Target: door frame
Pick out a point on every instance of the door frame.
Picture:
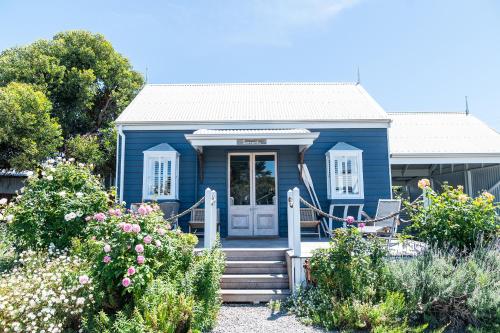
(253, 204)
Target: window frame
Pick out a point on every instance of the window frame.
(333, 154)
(150, 157)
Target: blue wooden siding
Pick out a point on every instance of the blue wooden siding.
(373, 142)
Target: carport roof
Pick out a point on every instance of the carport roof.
(441, 138)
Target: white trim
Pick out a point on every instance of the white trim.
(269, 139)
(443, 158)
(172, 156)
(389, 162)
(334, 154)
(122, 161)
(162, 126)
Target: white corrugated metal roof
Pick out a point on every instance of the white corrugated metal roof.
(441, 134)
(251, 102)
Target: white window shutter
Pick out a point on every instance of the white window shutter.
(344, 172)
(160, 181)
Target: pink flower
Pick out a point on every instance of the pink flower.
(84, 279)
(423, 183)
(161, 231)
(158, 243)
(127, 227)
(131, 271)
(136, 228)
(149, 209)
(100, 217)
(126, 282)
(140, 260)
(148, 239)
(115, 212)
(139, 248)
(350, 219)
(106, 259)
(361, 225)
(142, 210)
(107, 248)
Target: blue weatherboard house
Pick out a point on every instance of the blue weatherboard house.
(249, 142)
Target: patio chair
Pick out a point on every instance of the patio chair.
(197, 221)
(309, 220)
(387, 227)
(170, 209)
(346, 209)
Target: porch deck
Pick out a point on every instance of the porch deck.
(397, 248)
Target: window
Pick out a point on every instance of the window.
(161, 173)
(344, 165)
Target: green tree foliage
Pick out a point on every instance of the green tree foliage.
(97, 149)
(28, 134)
(88, 82)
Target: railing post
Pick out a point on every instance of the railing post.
(297, 250)
(289, 214)
(210, 228)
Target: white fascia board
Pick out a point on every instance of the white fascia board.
(272, 139)
(444, 158)
(158, 126)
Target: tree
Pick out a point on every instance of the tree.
(28, 133)
(87, 81)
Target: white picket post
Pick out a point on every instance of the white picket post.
(213, 233)
(297, 250)
(207, 239)
(289, 213)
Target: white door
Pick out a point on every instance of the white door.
(253, 209)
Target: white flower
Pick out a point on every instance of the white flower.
(70, 216)
(3, 201)
(9, 218)
(80, 301)
(62, 194)
(79, 194)
(50, 177)
(71, 159)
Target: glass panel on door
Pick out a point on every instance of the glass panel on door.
(240, 180)
(265, 180)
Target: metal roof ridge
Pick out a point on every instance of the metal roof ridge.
(426, 112)
(291, 83)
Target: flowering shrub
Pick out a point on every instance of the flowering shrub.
(134, 249)
(52, 206)
(44, 293)
(453, 219)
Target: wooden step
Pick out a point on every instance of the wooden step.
(255, 267)
(254, 281)
(254, 254)
(253, 295)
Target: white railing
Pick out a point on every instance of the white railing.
(210, 228)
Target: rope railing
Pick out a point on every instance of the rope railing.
(187, 211)
(340, 219)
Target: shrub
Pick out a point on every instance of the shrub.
(453, 219)
(43, 292)
(447, 288)
(52, 206)
(350, 268)
(204, 281)
(134, 249)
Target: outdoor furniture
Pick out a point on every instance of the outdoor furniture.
(345, 212)
(309, 220)
(388, 226)
(135, 206)
(170, 209)
(197, 221)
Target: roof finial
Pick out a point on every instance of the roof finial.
(359, 77)
(466, 106)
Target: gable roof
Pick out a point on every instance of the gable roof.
(251, 102)
(447, 137)
(342, 146)
(161, 147)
